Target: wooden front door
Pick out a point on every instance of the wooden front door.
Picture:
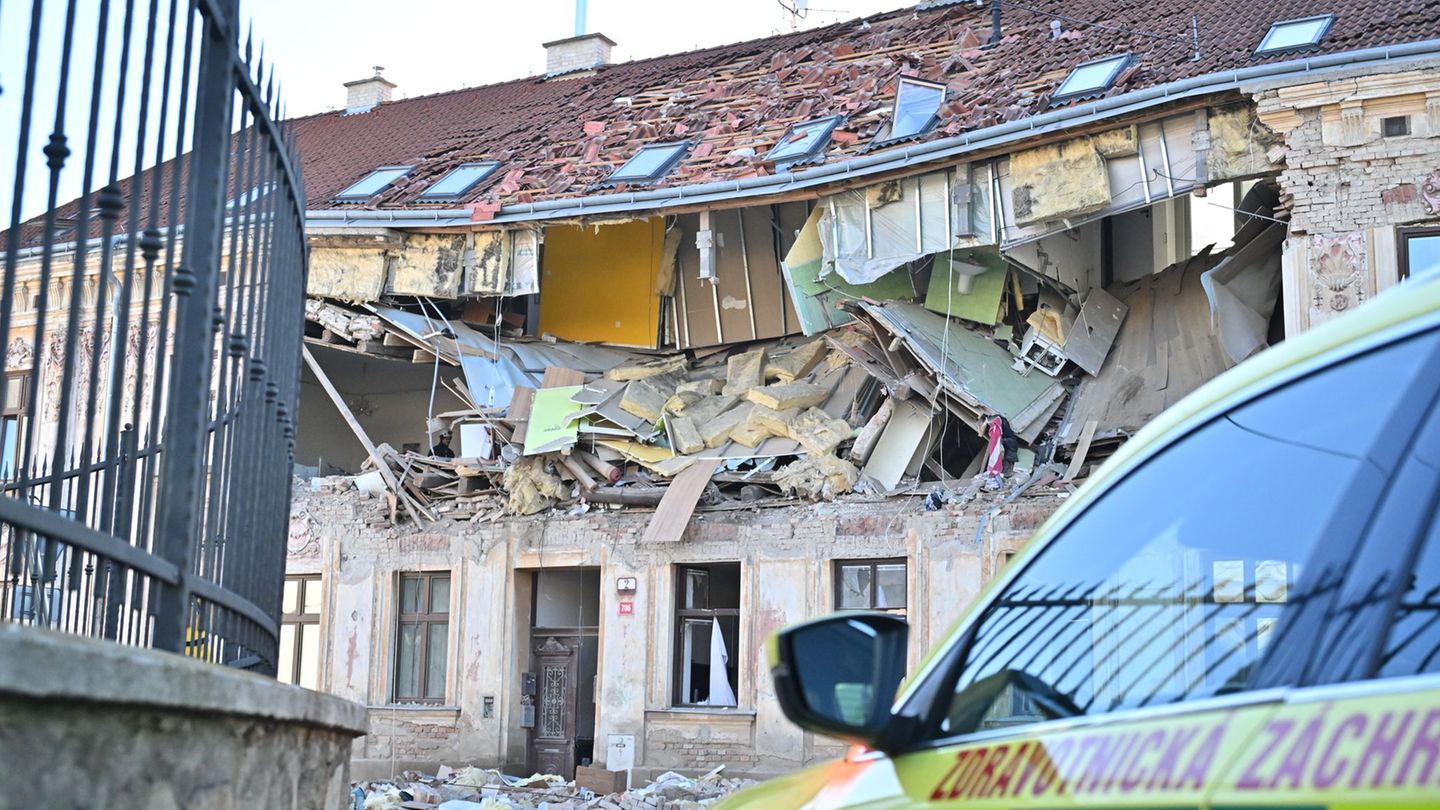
(552, 745)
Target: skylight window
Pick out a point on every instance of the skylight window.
(651, 163)
(916, 105)
(374, 183)
(459, 181)
(804, 141)
(1294, 35)
(252, 195)
(1092, 77)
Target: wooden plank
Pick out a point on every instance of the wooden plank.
(1077, 461)
(559, 377)
(519, 413)
(678, 504)
(380, 463)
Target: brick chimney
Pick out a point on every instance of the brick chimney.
(363, 94)
(577, 53)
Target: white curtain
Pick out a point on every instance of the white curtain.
(720, 692)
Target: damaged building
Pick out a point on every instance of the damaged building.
(613, 370)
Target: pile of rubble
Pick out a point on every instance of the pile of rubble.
(901, 397)
(474, 788)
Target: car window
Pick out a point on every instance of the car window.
(1178, 581)
(1412, 646)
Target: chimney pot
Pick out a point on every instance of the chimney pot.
(362, 95)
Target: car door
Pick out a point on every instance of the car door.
(1364, 730)
(1136, 657)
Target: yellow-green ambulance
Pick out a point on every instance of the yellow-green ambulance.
(1240, 610)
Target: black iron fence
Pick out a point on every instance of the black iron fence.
(151, 327)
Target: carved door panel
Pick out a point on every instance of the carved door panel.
(552, 746)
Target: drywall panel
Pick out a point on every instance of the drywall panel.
(598, 283)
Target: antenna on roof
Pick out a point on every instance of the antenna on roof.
(580, 18)
(377, 69)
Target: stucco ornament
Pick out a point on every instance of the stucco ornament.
(1338, 274)
(19, 354)
(1430, 192)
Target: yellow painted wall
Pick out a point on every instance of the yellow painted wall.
(601, 285)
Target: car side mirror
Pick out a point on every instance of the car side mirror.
(838, 675)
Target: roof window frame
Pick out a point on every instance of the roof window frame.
(1122, 61)
(492, 166)
(1327, 22)
(346, 195)
(890, 136)
(661, 171)
(828, 123)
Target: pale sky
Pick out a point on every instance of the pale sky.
(426, 46)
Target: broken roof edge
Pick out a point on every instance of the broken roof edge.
(900, 157)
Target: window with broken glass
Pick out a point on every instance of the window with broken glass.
(299, 661)
(422, 638)
(707, 628)
(871, 585)
(12, 417)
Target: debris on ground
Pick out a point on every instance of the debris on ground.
(472, 788)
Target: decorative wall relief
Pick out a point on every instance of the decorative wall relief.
(1430, 193)
(1339, 275)
(20, 354)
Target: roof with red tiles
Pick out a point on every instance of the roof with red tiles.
(563, 138)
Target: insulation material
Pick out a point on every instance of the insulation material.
(869, 232)
(818, 477)
(524, 270)
(1244, 288)
(347, 275)
(552, 425)
(644, 399)
(815, 299)
(531, 488)
(744, 371)
(783, 396)
(490, 274)
(818, 432)
(430, 265)
(983, 270)
(1239, 144)
(1158, 164)
(797, 362)
(600, 283)
(1057, 181)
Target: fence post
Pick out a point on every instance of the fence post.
(183, 460)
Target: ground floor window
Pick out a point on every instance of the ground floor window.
(1419, 251)
(707, 632)
(871, 585)
(423, 637)
(300, 632)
